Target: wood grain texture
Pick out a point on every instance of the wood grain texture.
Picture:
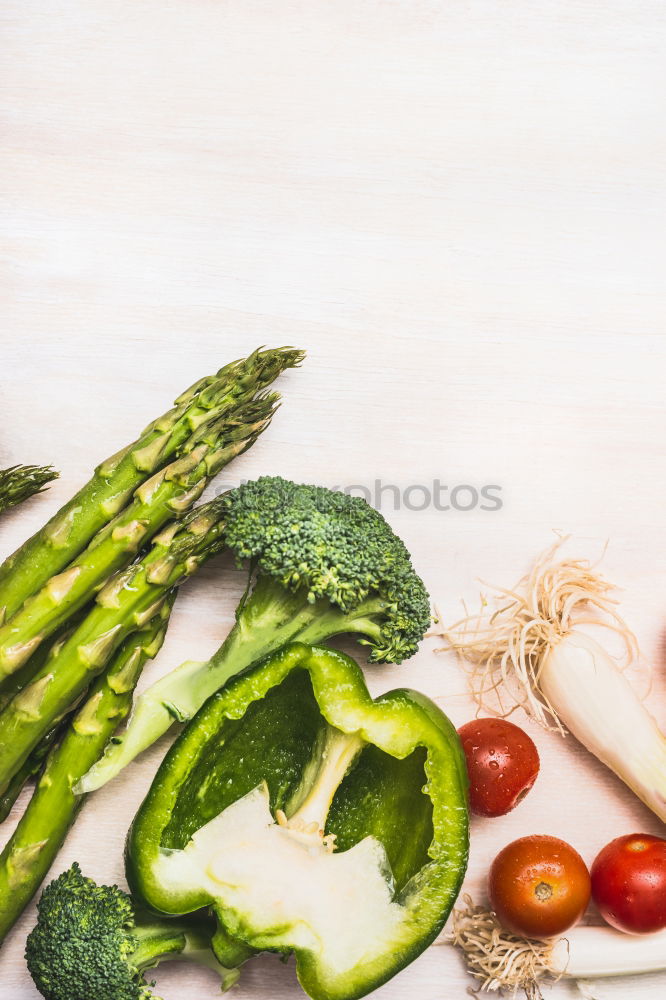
(457, 208)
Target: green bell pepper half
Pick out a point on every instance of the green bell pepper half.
(359, 861)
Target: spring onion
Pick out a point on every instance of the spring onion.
(535, 647)
(503, 961)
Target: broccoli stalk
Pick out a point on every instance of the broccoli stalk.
(90, 942)
(322, 564)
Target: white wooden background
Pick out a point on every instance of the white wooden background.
(457, 207)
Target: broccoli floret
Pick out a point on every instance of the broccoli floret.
(88, 942)
(335, 546)
(321, 564)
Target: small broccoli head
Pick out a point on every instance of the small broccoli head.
(335, 546)
(83, 944)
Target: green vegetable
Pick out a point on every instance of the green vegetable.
(324, 563)
(23, 481)
(289, 761)
(32, 848)
(9, 689)
(129, 600)
(11, 685)
(170, 492)
(89, 944)
(51, 549)
(506, 963)
(32, 766)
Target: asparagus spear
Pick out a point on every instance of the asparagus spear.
(170, 492)
(9, 690)
(11, 685)
(31, 766)
(18, 680)
(130, 599)
(23, 481)
(30, 852)
(116, 479)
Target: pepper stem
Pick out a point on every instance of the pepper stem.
(335, 753)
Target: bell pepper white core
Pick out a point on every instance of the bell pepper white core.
(292, 891)
(333, 756)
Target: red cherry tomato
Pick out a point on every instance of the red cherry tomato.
(539, 886)
(502, 764)
(629, 883)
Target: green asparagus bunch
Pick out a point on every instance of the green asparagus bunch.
(23, 481)
(115, 481)
(85, 601)
(27, 857)
(129, 498)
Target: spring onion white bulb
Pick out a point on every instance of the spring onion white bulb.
(534, 649)
(503, 961)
